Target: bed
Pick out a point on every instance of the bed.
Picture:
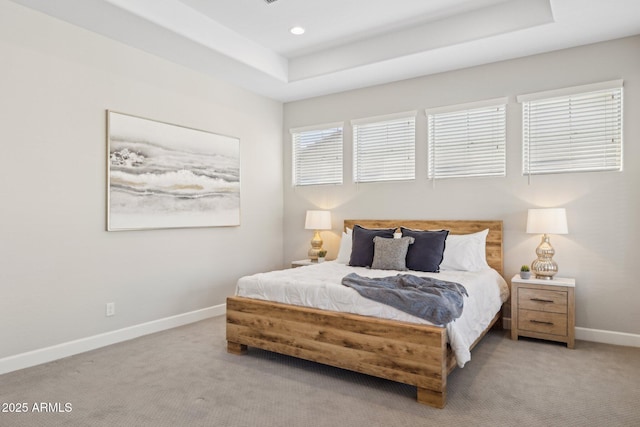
(398, 350)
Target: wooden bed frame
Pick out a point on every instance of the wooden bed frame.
(400, 351)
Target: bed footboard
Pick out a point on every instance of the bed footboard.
(398, 351)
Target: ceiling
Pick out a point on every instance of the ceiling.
(348, 44)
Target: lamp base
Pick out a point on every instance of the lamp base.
(544, 267)
(316, 246)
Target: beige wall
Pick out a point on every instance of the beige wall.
(58, 265)
(602, 249)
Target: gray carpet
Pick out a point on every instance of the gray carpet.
(184, 377)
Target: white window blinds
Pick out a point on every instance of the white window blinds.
(384, 148)
(317, 155)
(468, 142)
(574, 132)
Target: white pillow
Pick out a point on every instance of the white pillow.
(465, 252)
(344, 253)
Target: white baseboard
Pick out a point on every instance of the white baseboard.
(608, 337)
(48, 354)
(597, 335)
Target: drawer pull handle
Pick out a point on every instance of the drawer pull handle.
(541, 322)
(541, 300)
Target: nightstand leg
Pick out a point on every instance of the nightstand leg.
(514, 318)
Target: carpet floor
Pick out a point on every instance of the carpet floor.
(185, 377)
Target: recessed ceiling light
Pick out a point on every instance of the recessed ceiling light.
(297, 30)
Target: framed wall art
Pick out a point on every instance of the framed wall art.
(168, 176)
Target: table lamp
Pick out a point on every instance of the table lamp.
(545, 222)
(317, 220)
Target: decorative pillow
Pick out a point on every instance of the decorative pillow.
(362, 246)
(390, 254)
(427, 251)
(466, 252)
(344, 253)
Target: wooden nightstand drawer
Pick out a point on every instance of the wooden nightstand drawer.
(543, 322)
(542, 300)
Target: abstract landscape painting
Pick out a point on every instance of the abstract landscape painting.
(167, 176)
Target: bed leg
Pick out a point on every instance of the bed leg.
(235, 348)
(437, 399)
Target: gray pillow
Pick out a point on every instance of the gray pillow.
(362, 246)
(390, 254)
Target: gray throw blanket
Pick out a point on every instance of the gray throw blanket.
(431, 299)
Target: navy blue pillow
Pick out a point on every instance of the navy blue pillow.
(426, 252)
(362, 248)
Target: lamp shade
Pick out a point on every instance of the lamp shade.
(318, 220)
(547, 221)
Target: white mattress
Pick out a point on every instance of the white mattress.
(319, 286)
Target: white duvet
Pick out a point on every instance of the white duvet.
(319, 286)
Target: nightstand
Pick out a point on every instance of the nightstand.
(302, 262)
(543, 309)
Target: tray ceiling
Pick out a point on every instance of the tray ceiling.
(347, 44)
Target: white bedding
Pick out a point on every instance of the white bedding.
(319, 286)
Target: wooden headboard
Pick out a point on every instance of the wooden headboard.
(494, 238)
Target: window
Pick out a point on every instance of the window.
(573, 130)
(468, 140)
(317, 155)
(384, 148)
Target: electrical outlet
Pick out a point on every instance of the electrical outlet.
(111, 309)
